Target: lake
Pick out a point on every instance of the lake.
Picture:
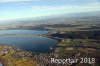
(36, 32)
(28, 43)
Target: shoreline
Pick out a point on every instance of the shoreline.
(10, 54)
(61, 50)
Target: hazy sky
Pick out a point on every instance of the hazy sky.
(15, 9)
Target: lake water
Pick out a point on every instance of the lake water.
(36, 32)
(28, 43)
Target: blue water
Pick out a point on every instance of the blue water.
(28, 43)
(37, 32)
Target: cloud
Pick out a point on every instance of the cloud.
(69, 8)
(65, 1)
(8, 1)
(90, 5)
(48, 7)
(84, 0)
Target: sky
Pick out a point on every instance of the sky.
(17, 9)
